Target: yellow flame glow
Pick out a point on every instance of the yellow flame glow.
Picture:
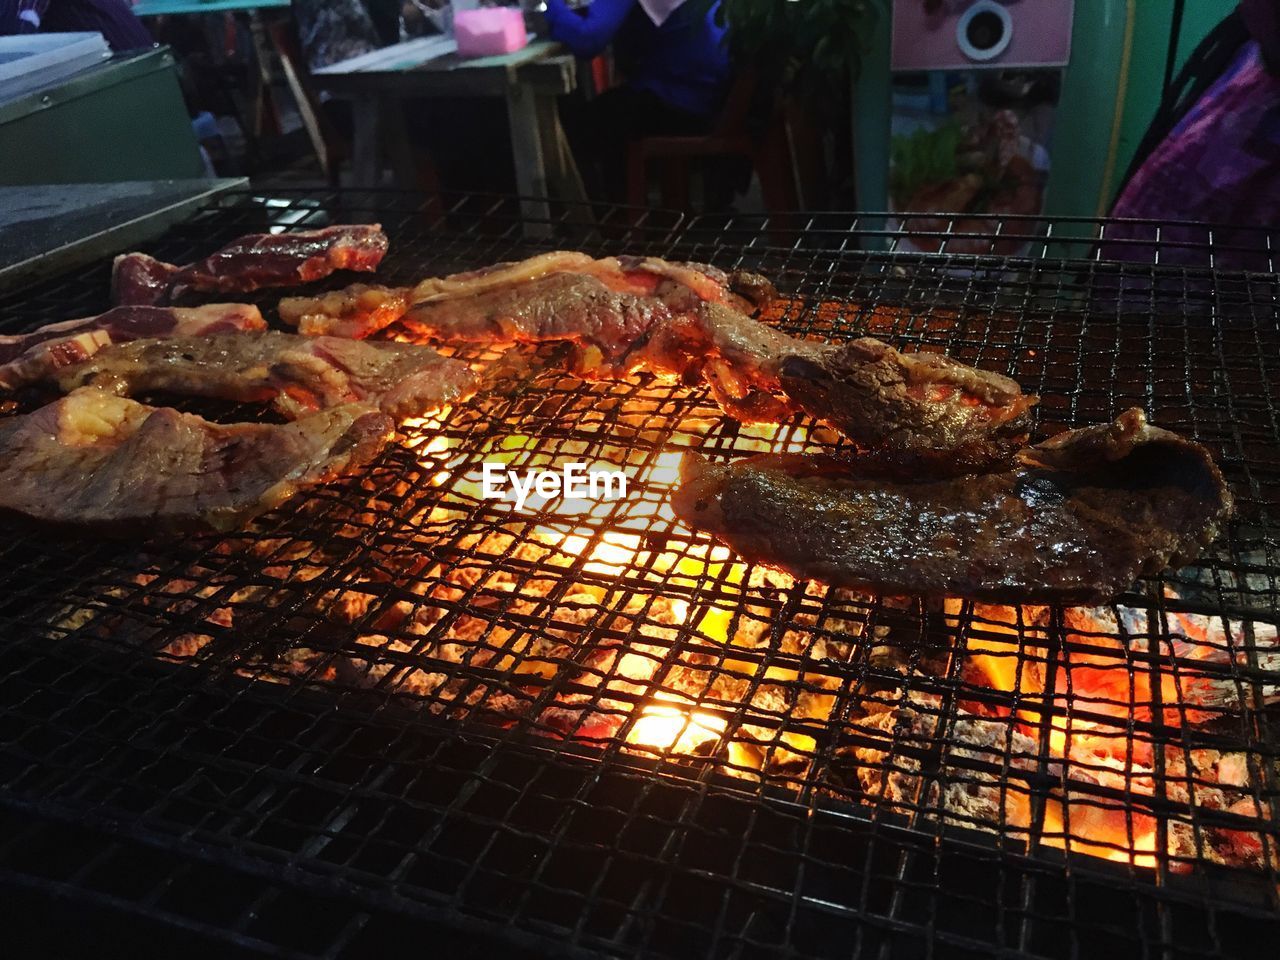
(669, 727)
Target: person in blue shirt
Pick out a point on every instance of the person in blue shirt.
(675, 67)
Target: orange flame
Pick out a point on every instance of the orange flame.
(1081, 823)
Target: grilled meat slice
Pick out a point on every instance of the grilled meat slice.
(605, 324)
(249, 263)
(918, 412)
(740, 289)
(96, 462)
(913, 410)
(356, 311)
(639, 276)
(361, 310)
(616, 333)
(1076, 523)
(29, 357)
(505, 274)
(299, 375)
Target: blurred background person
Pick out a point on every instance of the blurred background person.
(674, 64)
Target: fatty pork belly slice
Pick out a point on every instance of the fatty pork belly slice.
(298, 375)
(689, 321)
(250, 263)
(1084, 515)
(360, 310)
(41, 354)
(100, 463)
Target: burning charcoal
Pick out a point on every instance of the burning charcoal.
(1212, 780)
(185, 646)
(873, 770)
(613, 666)
(981, 793)
(372, 668)
(1199, 663)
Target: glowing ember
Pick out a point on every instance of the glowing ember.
(671, 728)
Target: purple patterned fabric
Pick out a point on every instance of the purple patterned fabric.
(1219, 165)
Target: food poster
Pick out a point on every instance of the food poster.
(970, 142)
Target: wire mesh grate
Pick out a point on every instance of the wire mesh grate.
(395, 706)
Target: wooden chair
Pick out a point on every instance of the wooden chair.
(730, 137)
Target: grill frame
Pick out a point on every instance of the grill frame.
(219, 780)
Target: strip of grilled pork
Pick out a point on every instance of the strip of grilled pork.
(250, 263)
(40, 354)
(298, 375)
(918, 414)
(1084, 515)
(914, 412)
(96, 462)
(360, 310)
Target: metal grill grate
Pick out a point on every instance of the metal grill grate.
(394, 709)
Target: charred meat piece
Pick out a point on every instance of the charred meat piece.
(915, 412)
(735, 355)
(299, 375)
(250, 263)
(360, 310)
(29, 357)
(740, 289)
(1085, 514)
(100, 463)
(505, 274)
(616, 333)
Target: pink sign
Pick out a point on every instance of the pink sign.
(968, 34)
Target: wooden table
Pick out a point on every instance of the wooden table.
(529, 80)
